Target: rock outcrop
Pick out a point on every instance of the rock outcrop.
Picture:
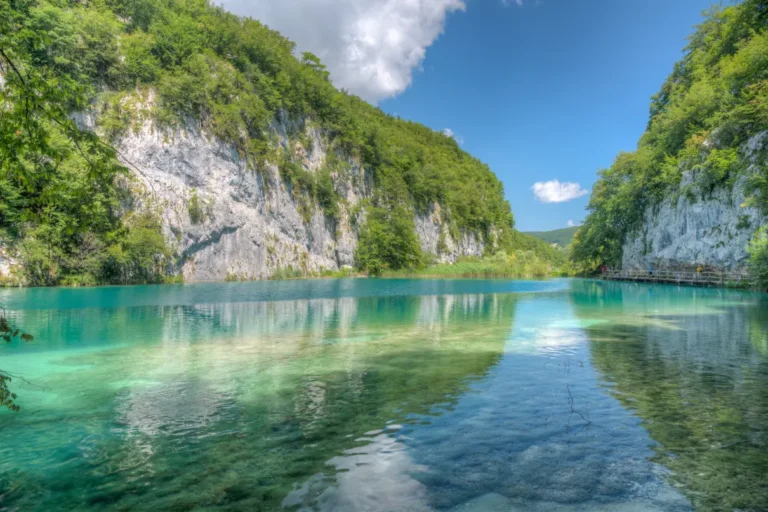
(253, 224)
(698, 226)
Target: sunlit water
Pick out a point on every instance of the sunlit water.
(387, 395)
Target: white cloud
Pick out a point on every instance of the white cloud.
(556, 192)
(371, 47)
(455, 136)
(572, 224)
(507, 3)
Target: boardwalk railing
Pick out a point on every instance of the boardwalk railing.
(703, 278)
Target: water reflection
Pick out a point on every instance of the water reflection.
(597, 397)
(699, 382)
(535, 433)
(230, 405)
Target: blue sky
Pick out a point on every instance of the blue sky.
(548, 90)
(540, 90)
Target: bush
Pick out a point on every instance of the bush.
(519, 264)
(196, 210)
(388, 241)
(758, 258)
(714, 100)
(231, 76)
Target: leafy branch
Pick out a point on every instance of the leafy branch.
(8, 331)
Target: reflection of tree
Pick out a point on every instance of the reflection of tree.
(702, 390)
(407, 356)
(8, 332)
(283, 386)
(758, 327)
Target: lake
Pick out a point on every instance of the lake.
(366, 394)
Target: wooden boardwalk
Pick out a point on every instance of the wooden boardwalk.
(704, 278)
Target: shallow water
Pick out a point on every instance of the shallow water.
(387, 395)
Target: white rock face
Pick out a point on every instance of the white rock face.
(697, 227)
(253, 223)
(7, 262)
(436, 238)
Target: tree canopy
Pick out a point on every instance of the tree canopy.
(231, 75)
(714, 100)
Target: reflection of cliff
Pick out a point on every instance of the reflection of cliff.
(700, 383)
(242, 401)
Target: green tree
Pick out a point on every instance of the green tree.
(714, 100)
(758, 258)
(388, 241)
(9, 331)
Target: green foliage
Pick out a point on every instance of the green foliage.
(561, 237)
(714, 100)
(8, 332)
(196, 209)
(60, 185)
(188, 61)
(758, 258)
(500, 265)
(316, 186)
(744, 222)
(518, 241)
(287, 273)
(140, 254)
(388, 241)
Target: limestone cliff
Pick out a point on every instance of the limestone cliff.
(699, 226)
(253, 223)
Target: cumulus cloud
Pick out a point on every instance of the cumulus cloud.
(507, 3)
(450, 133)
(556, 192)
(572, 224)
(371, 47)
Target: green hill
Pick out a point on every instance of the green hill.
(68, 204)
(561, 237)
(715, 99)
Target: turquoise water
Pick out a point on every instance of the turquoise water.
(387, 395)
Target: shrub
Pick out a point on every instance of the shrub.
(758, 258)
(196, 210)
(715, 99)
(388, 241)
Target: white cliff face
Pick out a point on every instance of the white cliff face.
(695, 227)
(8, 266)
(436, 238)
(253, 224)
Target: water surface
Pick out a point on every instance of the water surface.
(387, 395)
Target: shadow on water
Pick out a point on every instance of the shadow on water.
(231, 406)
(693, 364)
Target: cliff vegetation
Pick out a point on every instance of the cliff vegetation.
(68, 204)
(714, 101)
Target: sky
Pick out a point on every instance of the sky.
(546, 92)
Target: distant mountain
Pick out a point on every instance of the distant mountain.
(561, 237)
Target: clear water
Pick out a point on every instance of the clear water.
(387, 395)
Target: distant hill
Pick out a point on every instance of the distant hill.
(561, 237)
(520, 241)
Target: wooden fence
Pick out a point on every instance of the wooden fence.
(704, 278)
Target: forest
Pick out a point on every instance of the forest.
(68, 203)
(715, 99)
